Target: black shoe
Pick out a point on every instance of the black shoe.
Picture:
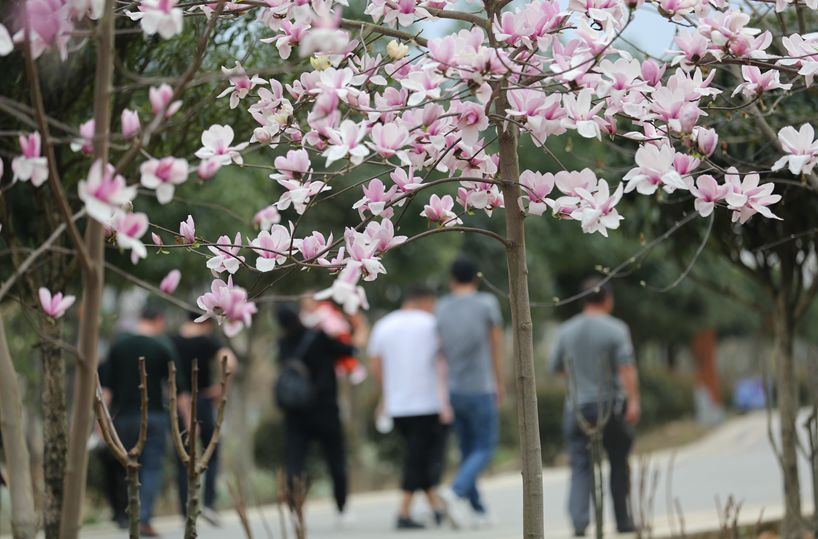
(440, 517)
(122, 522)
(406, 523)
(630, 528)
(579, 533)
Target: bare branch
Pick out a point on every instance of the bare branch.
(174, 415)
(143, 411)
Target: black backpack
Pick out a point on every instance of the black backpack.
(294, 388)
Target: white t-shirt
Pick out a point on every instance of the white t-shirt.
(407, 343)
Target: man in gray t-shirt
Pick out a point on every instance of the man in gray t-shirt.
(470, 327)
(595, 351)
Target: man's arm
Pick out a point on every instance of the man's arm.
(630, 382)
(496, 337)
(446, 413)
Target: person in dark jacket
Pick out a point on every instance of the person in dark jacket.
(320, 420)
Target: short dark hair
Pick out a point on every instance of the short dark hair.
(289, 318)
(464, 270)
(596, 291)
(418, 292)
(152, 311)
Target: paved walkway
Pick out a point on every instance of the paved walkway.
(735, 459)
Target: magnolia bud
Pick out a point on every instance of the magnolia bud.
(130, 123)
(707, 140)
(651, 72)
(208, 168)
(396, 50)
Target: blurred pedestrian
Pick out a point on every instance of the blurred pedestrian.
(120, 383)
(197, 341)
(327, 317)
(470, 328)
(405, 358)
(594, 349)
(307, 393)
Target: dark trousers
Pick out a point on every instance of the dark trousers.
(116, 491)
(617, 440)
(152, 458)
(207, 423)
(325, 428)
(425, 445)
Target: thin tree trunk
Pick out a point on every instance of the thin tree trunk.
(523, 341)
(787, 395)
(55, 430)
(23, 515)
(134, 505)
(85, 382)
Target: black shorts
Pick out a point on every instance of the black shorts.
(425, 448)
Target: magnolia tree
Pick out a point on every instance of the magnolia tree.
(419, 126)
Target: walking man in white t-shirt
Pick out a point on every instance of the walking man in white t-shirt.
(405, 359)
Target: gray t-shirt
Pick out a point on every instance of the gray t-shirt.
(465, 323)
(591, 349)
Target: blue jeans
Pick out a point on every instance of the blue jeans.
(476, 427)
(153, 455)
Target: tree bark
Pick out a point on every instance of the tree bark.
(523, 340)
(55, 430)
(787, 395)
(85, 382)
(23, 515)
(134, 506)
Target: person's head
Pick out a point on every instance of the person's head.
(598, 295)
(151, 319)
(289, 319)
(465, 275)
(419, 296)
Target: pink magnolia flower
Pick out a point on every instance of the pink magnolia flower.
(163, 175)
(129, 227)
(158, 17)
(156, 239)
(31, 165)
(708, 193)
(104, 192)
(581, 114)
(130, 123)
(439, 210)
(801, 149)
(388, 139)
(313, 246)
(651, 72)
(346, 141)
(707, 140)
(56, 305)
(86, 140)
(471, 119)
(293, 166)
(228, 305)
(170, 282)
(597, 212)
(241, 84)
(375, 199)
(405, 182)
(216, 142)
(684, 165)
(361, 250)
(423, 84)
(345, 290)
(299, 194)
(267, 217)
(382, 235)
(536, 188)
(272, 247)
(757, 83)
(654, 168)
(187, 230)
(747, 197)
(51, 26)
(160, 100)
(225, 255)
(208, 168)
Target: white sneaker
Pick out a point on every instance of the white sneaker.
(457, 508)
(211, 516)
(345, 520)
(482, 521)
